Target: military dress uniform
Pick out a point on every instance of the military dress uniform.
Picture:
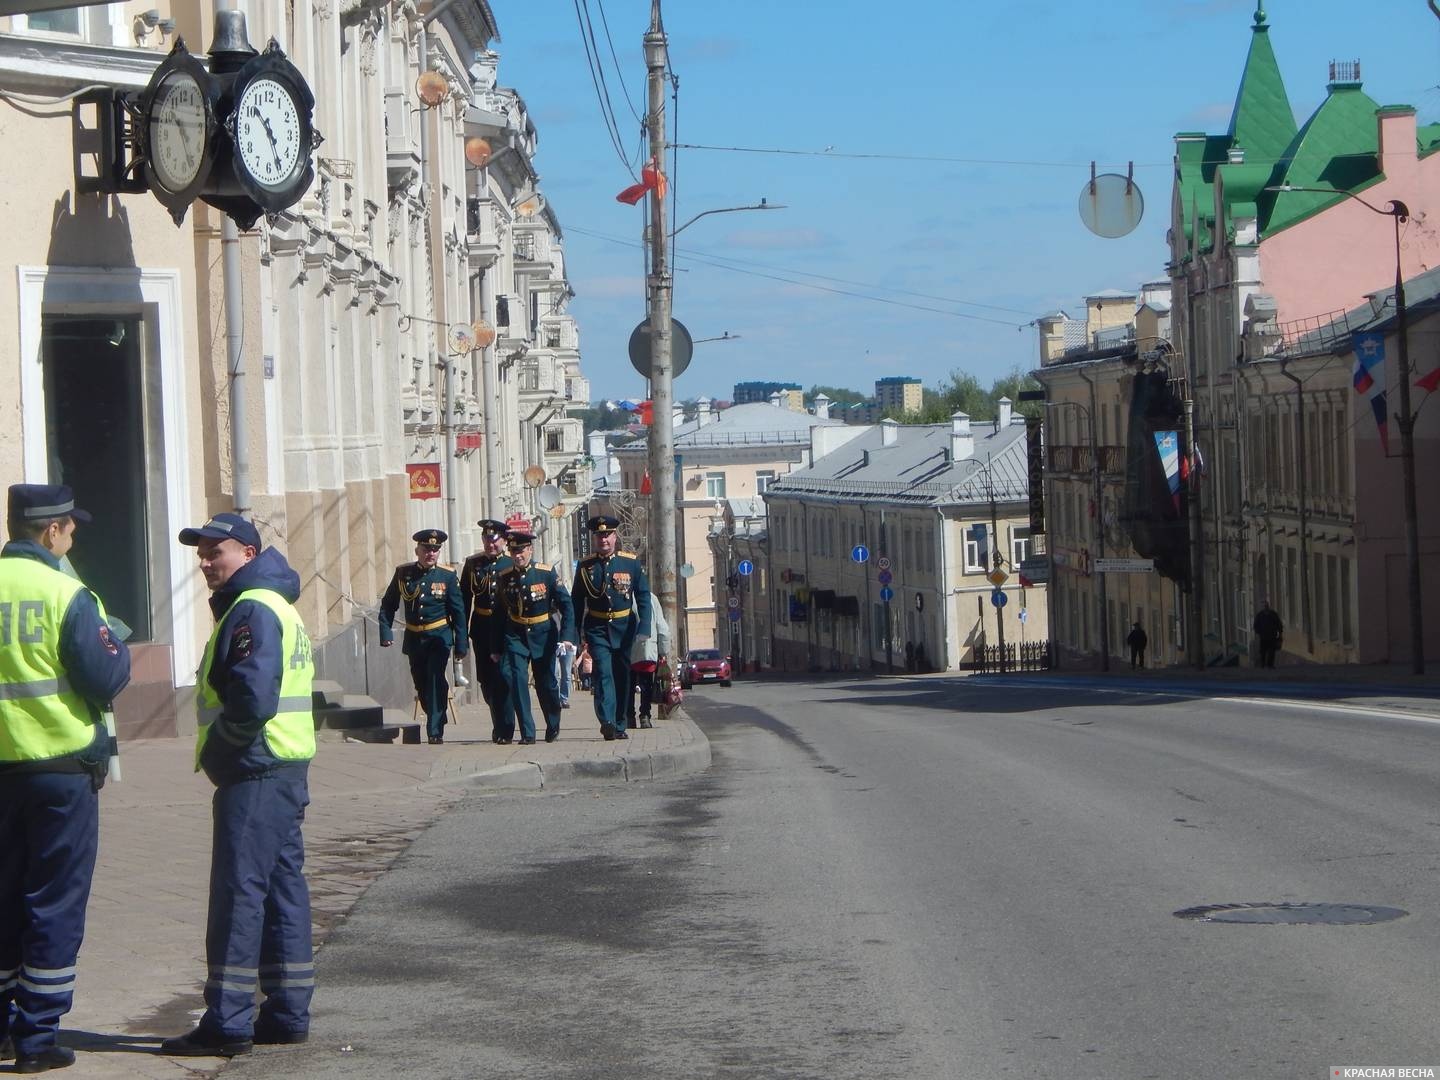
(60, 666)
(479, 579)
(434, 624)
(612, 598)
(534, 615)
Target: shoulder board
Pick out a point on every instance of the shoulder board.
(446, 566)
(543, 566)
(626, 554)
(405, 566)
(511, 569)
(589, 559)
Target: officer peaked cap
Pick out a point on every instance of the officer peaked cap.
(492, 527)
(519, 538)
(431, 536)
(35, 502)
(603, 523)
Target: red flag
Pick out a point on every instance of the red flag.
(651, 179)
(646, 412)
(645, 486)
(1429, 382)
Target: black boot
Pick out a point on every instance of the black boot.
(54, 1057)
(203, 1043)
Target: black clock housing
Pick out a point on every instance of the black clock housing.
(273, 194)
(180, 59)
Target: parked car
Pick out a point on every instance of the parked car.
(704, 665)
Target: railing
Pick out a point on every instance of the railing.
(1018, 656)
(1316, 334)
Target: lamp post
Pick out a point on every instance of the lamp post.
(1400, 213)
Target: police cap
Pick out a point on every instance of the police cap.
(35, 502)
(603, 523)
(431, 537)
(223, 527)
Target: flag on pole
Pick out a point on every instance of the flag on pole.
(1429, 382)
(1369, 379)
(1168, 445)
(651, 179)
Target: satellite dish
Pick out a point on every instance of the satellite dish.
(534, 476)
(484, 334)
(548, 497)
(687, 569)
(558, 512)
(1110, 204)
(460, 337)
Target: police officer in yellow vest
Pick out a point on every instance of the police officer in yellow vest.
(60, 667)
(255, 740)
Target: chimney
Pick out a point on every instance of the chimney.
(777, 399)
(889, 432)
(714, 412)
(703, 415)
(822, 407)
(677, 414)
(1003, 421)
(596, 443)
(962, 442)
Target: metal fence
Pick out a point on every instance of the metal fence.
(1022, 656)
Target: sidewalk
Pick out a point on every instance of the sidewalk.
(142, 964)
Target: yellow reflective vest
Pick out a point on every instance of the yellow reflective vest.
(290, 733)
(41, 717)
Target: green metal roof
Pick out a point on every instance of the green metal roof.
(1337, 148)
(1263, 122)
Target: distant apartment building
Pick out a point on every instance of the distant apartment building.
(792, 396)
(899, 392)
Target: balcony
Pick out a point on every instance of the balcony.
(531, 248)
(482, 232)
(539, 376)
(402, 148)
(577, 392)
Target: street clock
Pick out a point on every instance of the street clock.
(178, 128)
(271, 131)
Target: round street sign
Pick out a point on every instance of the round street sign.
(884, 577)
(887, 594)
(883, 562)
(999, 599)
(860, 553)
(734, 614)
(734, 601)
(746, 568)
(682, 347)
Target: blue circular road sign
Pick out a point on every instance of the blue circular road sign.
(999, 599)
(734, 614)
(746, 568)
(884, 577)
(887, 594)
(860, 553)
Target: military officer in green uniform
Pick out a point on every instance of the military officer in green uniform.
(612, 597)
(533, 616)
(434, 624)
(479, 578)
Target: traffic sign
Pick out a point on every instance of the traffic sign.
(860, 553)
(884, 577)
(887, 594)
(1125, 566)
(997, 577)
(734, 601)
(734, 614)
(999, 599)
(883, 562)
(746, 568)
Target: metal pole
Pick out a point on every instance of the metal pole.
(235, 356)
(489, 360)
(1407, 456)
(1306, 620)
(995, 556)
(662, 432)
(1099, 528)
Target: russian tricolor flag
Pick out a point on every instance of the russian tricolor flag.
(1369, 379)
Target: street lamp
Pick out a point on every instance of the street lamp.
(1401, 214)
(726, 336)
(761, 205)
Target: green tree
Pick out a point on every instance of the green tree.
(838, 395)
(1010, 386)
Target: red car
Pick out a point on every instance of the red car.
(704, 665)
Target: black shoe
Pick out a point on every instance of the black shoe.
(202, 1043)
(621, 734)
(645, 722)
(54, 1057)
(608, 733)
(274, 1035)
(551, 736)
(505, 741)
(527, 742)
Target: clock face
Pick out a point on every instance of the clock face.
(177, 131)
(267, 132)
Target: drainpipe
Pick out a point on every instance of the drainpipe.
(1300, 482)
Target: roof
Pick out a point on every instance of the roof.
(1422, 297)
(916, 469)
(1262, 121)
(752, 424)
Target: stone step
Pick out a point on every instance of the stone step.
(386, 733)
(326, 694)
(346, 718)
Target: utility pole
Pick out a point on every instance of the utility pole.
(995, 558)
(1401, 213)
(662, 431)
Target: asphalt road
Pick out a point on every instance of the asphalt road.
(916, 879)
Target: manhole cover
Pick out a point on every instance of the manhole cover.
(1295, 914)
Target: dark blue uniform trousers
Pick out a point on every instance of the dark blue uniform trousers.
(258, 932)
(547, 689)
(611, 676)
(429, 659)
(49, 826)
(492, 686)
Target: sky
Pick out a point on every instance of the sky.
(930, 158)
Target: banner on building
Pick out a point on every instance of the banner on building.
(1369, 379)
(424, 480)
(1167, 444)
(1035, 450)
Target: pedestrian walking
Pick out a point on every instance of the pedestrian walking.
(534, 616)
(564, 669)
(1270, 631)
(479, 579)
(434, 624)
(613, 596)
(584, 662)
(1137, 640)
(60, 668)
(644, 667)
(255, 740)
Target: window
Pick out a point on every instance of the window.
(715, 485)
(1019, 544)
(1346, 623)
(763, 479)
(554, 442)
(977, 549)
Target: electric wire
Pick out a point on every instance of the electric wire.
(620, 75)
(597, 80)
